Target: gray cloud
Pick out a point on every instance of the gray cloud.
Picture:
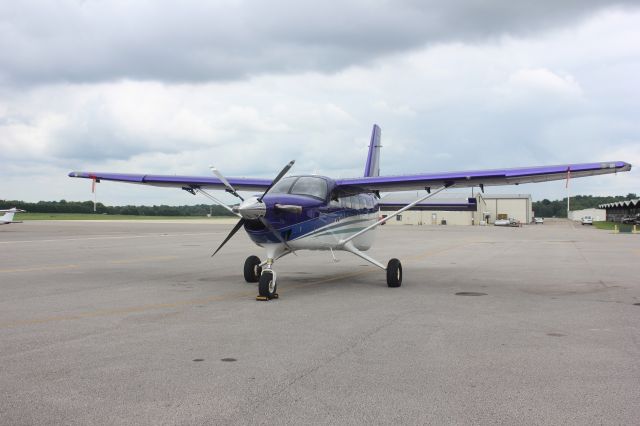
(89, 41)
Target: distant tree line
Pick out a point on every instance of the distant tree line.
(558, 208)
(64, 206)
(544, 208)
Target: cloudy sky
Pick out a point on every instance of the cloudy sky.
(171, 87)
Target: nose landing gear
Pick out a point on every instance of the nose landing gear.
(267, 285)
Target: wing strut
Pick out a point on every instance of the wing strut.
(195, 190)
(383, 220)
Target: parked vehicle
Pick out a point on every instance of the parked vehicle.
(538, 220)
(587, 220)
(506, 222)
(633, 219)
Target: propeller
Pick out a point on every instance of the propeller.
(231, 234)
(277, 179)
(225, 182)
(250, 207)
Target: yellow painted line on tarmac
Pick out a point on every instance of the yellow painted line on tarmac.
(76, 266)
(129, 310)
(40, 268)
(192, 302)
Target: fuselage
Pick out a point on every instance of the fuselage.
(324, 216)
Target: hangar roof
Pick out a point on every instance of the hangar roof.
(625, 203)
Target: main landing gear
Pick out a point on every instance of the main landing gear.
(252, 269)
(394, 273)
(266, 277)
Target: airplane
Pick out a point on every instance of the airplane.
(312, 212)
(7, 217)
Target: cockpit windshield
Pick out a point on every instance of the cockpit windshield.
(283, 186)
(312, 186)
(305, 185)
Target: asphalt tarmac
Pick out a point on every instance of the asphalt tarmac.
(135, 323)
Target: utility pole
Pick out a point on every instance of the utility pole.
(93, 189)
(568, 192)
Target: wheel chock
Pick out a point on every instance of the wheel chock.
(265, 298)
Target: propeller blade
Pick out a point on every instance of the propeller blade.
(226, 183)
(270, 227)
(280, 175)
(231, 234)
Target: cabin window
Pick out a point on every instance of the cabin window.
(354, 202)
(311, 186)
(365, 201)
(368, 202)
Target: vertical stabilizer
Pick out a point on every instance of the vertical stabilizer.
(372, 168)
(7, 217)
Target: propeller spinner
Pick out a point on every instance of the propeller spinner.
(252, 208)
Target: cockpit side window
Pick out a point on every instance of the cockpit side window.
(283, 186)
(311, 186)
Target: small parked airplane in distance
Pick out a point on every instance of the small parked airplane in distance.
(7, 217)
(311, 212)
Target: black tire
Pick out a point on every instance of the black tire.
(252, 269)
(394, 273)
(267, 286)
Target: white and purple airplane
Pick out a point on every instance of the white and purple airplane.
(7, 217)
(311, 212)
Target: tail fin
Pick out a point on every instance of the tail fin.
(7, 217)
(372, 168)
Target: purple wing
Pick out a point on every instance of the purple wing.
(241, 184)
(480, 177)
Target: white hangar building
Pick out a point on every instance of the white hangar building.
(457, 209)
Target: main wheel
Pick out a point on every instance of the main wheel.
(252, 269)
(394, 273)
(267, 286)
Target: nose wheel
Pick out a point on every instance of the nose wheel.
(267, 285)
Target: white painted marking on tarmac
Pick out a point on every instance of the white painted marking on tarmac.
(40, 268)
(108, 237)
